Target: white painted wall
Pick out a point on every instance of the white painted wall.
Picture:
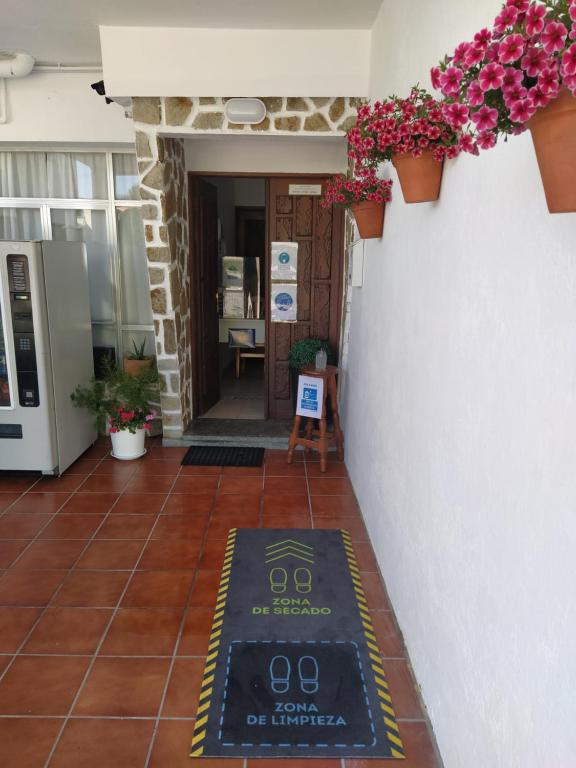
(61, 108)
(266, 154)
(164, 61)
(460, 422)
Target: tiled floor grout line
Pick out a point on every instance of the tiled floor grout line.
(181, 628)
(107, 628)
(17, 499)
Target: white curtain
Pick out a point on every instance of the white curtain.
(77, 175)
(86, 226)
(126, 182)
(20, 224)
(136, 306)
(23, 174)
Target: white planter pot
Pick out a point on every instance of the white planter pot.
(126, 445)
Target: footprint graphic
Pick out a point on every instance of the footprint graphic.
(308, 673)
(278, 580)
(280, 674)
(303, 580)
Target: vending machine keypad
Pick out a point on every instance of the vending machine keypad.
(23, 329)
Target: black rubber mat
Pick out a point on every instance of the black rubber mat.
(293, 667)
(216, 456)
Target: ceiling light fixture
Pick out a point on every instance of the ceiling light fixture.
(248, 111)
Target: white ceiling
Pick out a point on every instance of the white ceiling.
(66, 31)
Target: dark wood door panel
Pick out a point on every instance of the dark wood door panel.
(319, 234)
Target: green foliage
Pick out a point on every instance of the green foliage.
(103, 397)
(138, 353)
(303, 352)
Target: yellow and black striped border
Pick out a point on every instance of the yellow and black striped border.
(204, 700)
(385, 700)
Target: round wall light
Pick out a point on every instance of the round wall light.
(251, 111)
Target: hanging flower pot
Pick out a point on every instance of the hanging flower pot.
(128, 445)
(369, 217)
(553, 130)
(420, 177)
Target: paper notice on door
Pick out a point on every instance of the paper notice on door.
(284, 262)
(310, 397)
(284, 307)
(305, 189)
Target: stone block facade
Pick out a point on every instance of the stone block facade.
(164, 194)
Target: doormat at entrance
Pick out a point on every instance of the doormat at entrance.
(215, 456)
(293, 666)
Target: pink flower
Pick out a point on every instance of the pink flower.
(512, 76)
(491, 76)
(572, 34)
(554, 36)
(548, 81)
(485, 118)
(513, 93)
(456, 114)
(521, 111)
(460, 53)
(450, 81)
(452, 152)
(113, 430)
(520, 5)
(486, 140)
(467, 144)
(433, 132)
(473, 56)
(570, 83)
(506, 18)
(534, 61)
(435, 77)
(482, 39)
(475, 94)
(572, 10)
(569, 62)
(539, 99)
(511, 49)
(535, 19)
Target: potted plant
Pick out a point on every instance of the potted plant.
(136, 361)
(365, 194)
(120, 403)
(414, 134)
(519, 74)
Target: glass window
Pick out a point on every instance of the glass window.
(86, 226)
(20, 224)
(5, 400)
(136, 306)
(77, 175)
(126, 181)
(23, 174)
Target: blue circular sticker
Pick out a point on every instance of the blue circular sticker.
(283, 301)
(284, 258)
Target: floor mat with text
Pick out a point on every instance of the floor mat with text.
(293, 666)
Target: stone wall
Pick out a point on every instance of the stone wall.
(163, 189)
(164, 193)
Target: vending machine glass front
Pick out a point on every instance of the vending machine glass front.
(5, 399)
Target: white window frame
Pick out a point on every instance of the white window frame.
(109, 206)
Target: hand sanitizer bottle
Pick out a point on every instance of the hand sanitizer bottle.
(321, 360)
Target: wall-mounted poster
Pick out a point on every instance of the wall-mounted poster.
(284, 302)
(284, 261)
(310, 397)
(233, 303)
(233, 272)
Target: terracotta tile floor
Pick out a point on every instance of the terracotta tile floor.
(108, 578)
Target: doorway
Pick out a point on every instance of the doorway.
(240, 367)
(229, 262)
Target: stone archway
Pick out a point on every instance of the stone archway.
(164, 194)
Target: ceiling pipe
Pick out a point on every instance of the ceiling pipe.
(15, 64)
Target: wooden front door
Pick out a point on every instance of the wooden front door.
(204, 281)
(320, 237)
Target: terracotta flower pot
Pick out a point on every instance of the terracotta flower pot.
(133, 367)
(369, 217)
(553, 130)
(420, 177)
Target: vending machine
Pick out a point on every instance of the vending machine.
(45, 352)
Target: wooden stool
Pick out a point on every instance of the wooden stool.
(324, 438)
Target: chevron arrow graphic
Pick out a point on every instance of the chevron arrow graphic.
(289, 548)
